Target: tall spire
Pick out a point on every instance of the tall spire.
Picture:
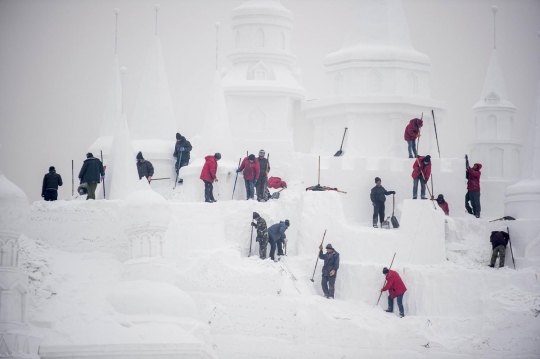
(494, 90)
(494, 9)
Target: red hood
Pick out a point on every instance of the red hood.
(208, 157)
(479, 166)
(417, 121)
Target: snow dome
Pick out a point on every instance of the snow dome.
(266, 7)
(14, 208)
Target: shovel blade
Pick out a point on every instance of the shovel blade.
(338, 153)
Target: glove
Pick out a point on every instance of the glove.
(253, 224)
(320, 247)
(332, 272)
(254, 182)
(182, 148)
(103, 178)
(418, 135)
(392, 192)
(373, 203)
(238, 170)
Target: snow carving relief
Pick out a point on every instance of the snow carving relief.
(146, 244)
(260, 72)
(8, 252)
(412, 81)
(492, 126)
(374, 81)
(12, 303)
(492, 99)
(259, 38)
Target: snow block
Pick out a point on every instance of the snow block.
(424, 224)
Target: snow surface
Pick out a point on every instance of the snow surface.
(458, 308)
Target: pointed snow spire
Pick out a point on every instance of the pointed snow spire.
(494, 90)
(112, 107)
(154, 115)
(216, 135)
(122, 177)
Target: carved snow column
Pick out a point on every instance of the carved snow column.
(16, 339)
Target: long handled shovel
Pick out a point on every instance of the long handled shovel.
(340, 152)
(418, 143)
(72, 180)
(234, 188)
(505, 218)
(317, 262)
(380, 295)
(250, 242)
(436, 137)
(393, 219)
(511, 251)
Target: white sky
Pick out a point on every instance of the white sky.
(55, 58)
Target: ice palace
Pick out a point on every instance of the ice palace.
(154, 272)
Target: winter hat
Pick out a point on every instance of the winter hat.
(329, 246)
(178, 135)
(217, 156)
(479, 166)
(251, 157)
(89, 154)
(440, 198)
(377, 179)
(255, 215)
(52, 169)
(427, 159)
(139, 156)
(262, 153)
(385, 270)
(287, 223)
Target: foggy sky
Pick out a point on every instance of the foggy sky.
(55, 58)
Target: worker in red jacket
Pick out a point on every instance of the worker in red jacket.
(250, 166)
(443, 204)
(208, 175)
(421, 173)
(412, 132)
(396, 288)
(473, 188)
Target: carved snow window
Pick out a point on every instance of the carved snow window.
(492, 126)
(259, 38)
(374, 81)
(339, 84)
(412, 81)
(260, 72)
(492, 99)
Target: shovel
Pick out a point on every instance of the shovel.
(317, 262)
(505, 218)
(394, 220)
(275, 195)
(340, 152)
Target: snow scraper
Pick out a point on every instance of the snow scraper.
(317, 261)
(340, 152)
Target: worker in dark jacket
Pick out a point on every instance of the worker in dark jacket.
(412, 132)
(396, 288)
(378, 197)
(182, 150)
(276, 237)
(473, 188)
(443, 204)
(499, 241)
(329, 270)
(144, 167)
(262, 234)
(51, 181)
(91, 173)
(262, 181)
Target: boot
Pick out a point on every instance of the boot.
(375, 225)
(389, 310)
(492, 265)
(401, 315)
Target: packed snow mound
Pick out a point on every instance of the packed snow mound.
(14, 208)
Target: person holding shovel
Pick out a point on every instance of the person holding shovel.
(378, 197)
(182, 150)
(499, 240)
(262, 234)
(262, 181)
(421, 172)
(329, 270)
(396, 289)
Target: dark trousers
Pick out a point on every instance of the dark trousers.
(501, 251)
(273, 245)
(328, 285)
(263, 243)
(91, 190)
(272, 249)
(399, 303)
(412, 148)
(208, 191)
(378, 210)
(250, 189)
(262, 184)
(422, 187)
(51, 195)
(474, 198)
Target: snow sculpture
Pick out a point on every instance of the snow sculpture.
(522, 200)
(121, 177)
(16, 339)
(149, 294)
(262, 88)
(377, 83)
(494, 146)
(153, 127)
